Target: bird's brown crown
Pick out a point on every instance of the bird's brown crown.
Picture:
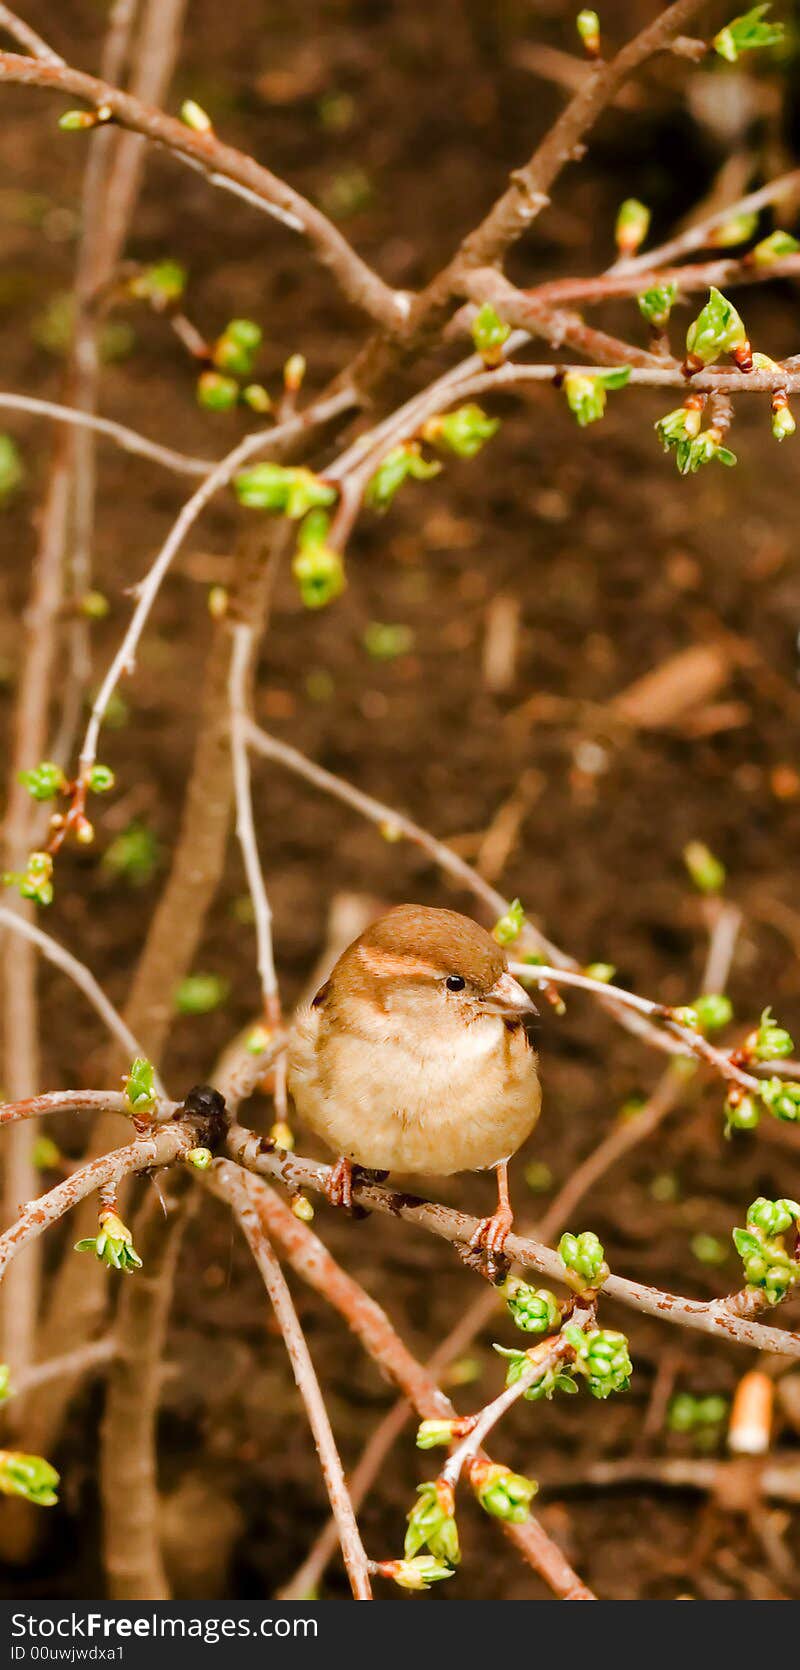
(417, 940)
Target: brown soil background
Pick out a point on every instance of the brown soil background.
(616, 564)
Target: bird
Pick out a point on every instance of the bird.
(413, 1057)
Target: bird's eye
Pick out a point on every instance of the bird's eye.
(455, 983)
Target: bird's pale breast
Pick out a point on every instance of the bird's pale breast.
(463, 1104)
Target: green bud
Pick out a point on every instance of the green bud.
(586, 391)
(687, 1017)
(216, 393)
(113, 1244)
(200, 1158)
(236, 349)
(588, 26)
(600, 971)
(656, 305)
(162, 284)
(29, 1476)
(770, 1042)
(742, 1113)
(509, 927)
(781, 1098)
(5, 1382)
(501, 1493)
(133, 855)
(286, 490)
(774, 248)
(401, 463)
(773, 1217)
(195, 117)
(747, 34)
(431, 1524)
(294, 373)
(708, 1249)
(94, 605)
(317, 567)
(385, 643)
(706, 871)
(535, 1310)
(416, 1574)
(632, 225)
(583, 1256)
(256, 397)
(783, 422)
(717, 330)
(140, 1086)
(489, 334)
(690, 456)
(432, 1434)
(12, 473)
(682, 424)
(713, 1010)
(46, 1154)
(77, 121)
(737, 230)
(45, 781)
(200, 994)
(463, 431)
(101, 779)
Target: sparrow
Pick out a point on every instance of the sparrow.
(413, 1057)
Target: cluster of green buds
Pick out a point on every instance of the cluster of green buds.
(768, 1264)
(781, 1098)
(656, 305)
(551, 1379)
(632, 226)
(602, 1356)
(233, 357)
(432, 1525)
(35, 882)
(586, 391)
(747, 33)
(417, 1574)
(161, 285)
(44, 782)
(490, 333)
(679, 432)
(317, 566)
(139, 1087)
(583, 1259)
(284, 490)
(693, 1415)
(29, 1476)
(509, 926)
(113, 1243)
(717, 330)
(534, 1309)
(463, 431)
(400, 464)
(587, 24)
(501, 1493)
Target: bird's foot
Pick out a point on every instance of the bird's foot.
(486, 1247)
(339, 1187)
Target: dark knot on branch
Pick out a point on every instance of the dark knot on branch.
(205, 1109)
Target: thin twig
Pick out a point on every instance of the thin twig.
(239, 1192)
(128, 439)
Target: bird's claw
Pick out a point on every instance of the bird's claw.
(339, 1184)
(486, 1247)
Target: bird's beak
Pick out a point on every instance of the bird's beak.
(509, 999)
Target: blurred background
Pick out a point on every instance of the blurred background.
(480, 673)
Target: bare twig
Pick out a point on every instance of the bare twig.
(238, 1191)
